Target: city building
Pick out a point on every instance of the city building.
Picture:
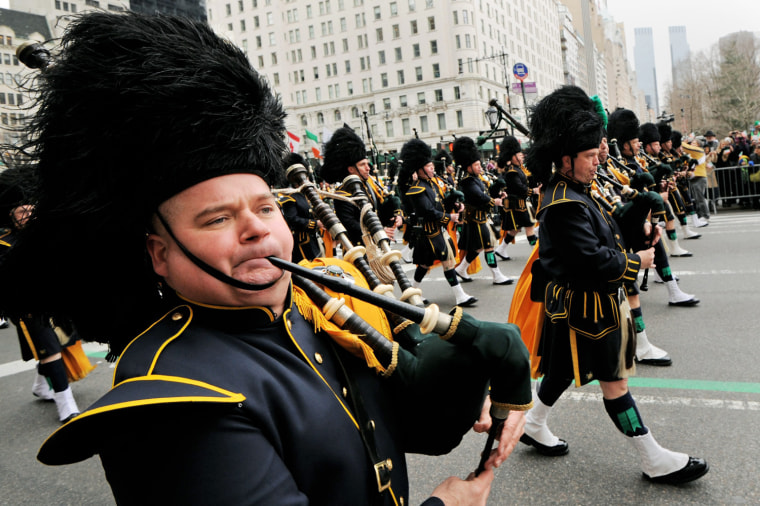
(646, 72)
(16, 28)
(400, 68)
(680, 61)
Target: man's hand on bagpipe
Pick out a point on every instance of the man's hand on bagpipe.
(508, 436)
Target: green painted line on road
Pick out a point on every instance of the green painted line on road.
(683, 384)
(97, 354)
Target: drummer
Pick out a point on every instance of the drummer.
(229, 396)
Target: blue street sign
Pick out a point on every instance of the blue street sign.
(520, 70)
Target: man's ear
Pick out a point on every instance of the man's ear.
(158, 251)
(567, 162)
(352, 170)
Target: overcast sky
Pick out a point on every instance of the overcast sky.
(705, 22)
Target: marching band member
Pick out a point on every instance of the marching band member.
(476, 235)
(300, 218)
(427, 197)
(580, 272)
(345, 154)
(233, 392)
(518, 209)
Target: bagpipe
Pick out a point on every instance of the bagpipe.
(444, 377)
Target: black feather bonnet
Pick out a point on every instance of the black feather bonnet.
(465, 152)
(623, 125)
(648, 133)
(132, 110)
(565, 122)
(343, 150)
(509, 147)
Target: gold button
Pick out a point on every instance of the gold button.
(176, 316)
(345, 392)
(318, 357)
(389, 464)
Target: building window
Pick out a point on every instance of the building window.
(416, 50)
(441, 121)
(394, 8)
(433, 47)
(379, 34)
(384, 80)
(389, 128)
(381, 57)
(377, 12)
(460, 119)
(337, 114)
(396, 31)
(457, 94)
(354, 112)
(431, 23)
(421, 97)
(348, 66)
(418, 73)
(439, 95)
(400, 76)
(402, 101)
(406, 127)
(398, 54)
(412, 5)
(372, 110)
(436, 70)
(458, 42)
(413, 25)
(386, 104)
(456, 17)
(320, 116)
(423, 124)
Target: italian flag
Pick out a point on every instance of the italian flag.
(315, 147)
(293, 142)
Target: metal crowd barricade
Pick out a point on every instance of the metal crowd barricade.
(734, 186)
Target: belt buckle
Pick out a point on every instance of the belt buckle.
(385, 467)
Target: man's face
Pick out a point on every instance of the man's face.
(427, 172)
(518, 158)
(667, 145)
(21, 214)
(583, 166)
(604, 150)
(631, 147)
(450, 169)
(361, 169)
(232, 223)
(475, 169)
(653, 148)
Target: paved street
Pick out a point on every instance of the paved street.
(706, 404)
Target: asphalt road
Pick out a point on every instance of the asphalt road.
(707, 404)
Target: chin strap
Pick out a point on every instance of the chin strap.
(210, 270)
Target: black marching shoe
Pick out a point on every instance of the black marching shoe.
(557, 450)
(695, 468)
(467, 303)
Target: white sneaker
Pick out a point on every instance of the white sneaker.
(501, 251)
(698, 222)
(461, 271)
(689, 233)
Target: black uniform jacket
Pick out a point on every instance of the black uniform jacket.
(476, 200)
(298, 215)
(583, 259)
(427, 199)
(215, 405)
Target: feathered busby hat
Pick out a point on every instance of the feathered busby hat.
(16, 185)
(343, 150)
(133, 110)
(415, 154)
(648, 133)
(508, 148)
(665, 131)
(565, 122)
(441, 161)
(465, 152)
(677, 138)
(622, 125)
